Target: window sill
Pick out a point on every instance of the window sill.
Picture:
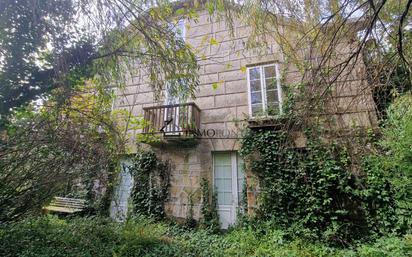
(268, 122)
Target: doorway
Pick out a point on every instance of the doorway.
(228, 181)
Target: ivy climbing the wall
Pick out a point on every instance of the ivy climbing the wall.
(313, 191)
(151, 185)
(210, 217)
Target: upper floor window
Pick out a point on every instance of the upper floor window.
(265, 95)
(179, 29)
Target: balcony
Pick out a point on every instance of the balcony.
(176, 121)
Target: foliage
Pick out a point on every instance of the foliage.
(389, 169)
(317, 193)
(210, 218)
(51, 150)
(43, 43)
(190, 221)
(71, 138)
(49, 236)
(151, 185)
(309, 190)
(24, 33)
(142, 237)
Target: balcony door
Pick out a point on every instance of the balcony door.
(229, 179)
(172, 114)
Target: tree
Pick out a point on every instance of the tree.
(50, 54)
(42, 41)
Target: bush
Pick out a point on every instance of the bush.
(50, 236)
(389, 170)
(142, 237)
(387, 246)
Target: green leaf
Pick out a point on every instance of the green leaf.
(210, 7)
(213, 41)
(215, 85)
(180, 11)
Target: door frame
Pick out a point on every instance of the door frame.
(235, 196)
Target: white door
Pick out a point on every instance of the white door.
(120, 200)
(228, 177)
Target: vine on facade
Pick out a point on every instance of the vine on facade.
(151, 185)
(210, 219)
(313, 192)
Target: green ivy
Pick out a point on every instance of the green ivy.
(309, 190)
(151, 185)
(320, 191)
(389, 170)
(210, 220)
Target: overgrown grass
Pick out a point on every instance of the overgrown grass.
(50, 236)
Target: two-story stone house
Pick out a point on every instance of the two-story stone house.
(200, 137)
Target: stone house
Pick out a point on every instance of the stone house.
(200, 137)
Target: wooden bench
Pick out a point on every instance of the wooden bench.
(65, 205)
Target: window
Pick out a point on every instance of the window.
(179, 29)
(265, 96)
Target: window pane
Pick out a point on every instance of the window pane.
(225, 198)
(223, 171)
(223, 185)
(271, 83)
(263, 81)
(179, 29)
(257, 109)
(254, 73)
(256, 97)
(220, 198)
(222, 159)
(272, 96)
(270, 72)
(223, 177)
(273, 108)
(255, 85)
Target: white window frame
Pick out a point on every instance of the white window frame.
(263, 87)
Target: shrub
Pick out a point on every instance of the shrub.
(142, 237)
(50, 236)
(387, 246)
